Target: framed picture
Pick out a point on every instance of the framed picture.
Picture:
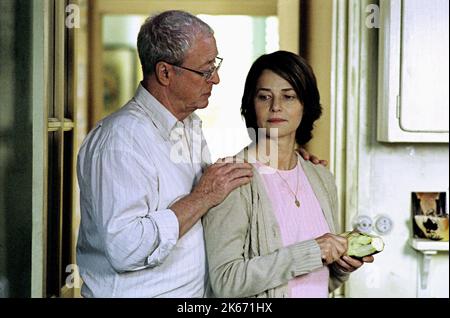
(119, 77)
(430, 217)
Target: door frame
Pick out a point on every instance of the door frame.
(288, 12)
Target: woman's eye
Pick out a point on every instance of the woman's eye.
(263, 97)
(290, 97)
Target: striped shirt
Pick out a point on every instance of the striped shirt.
(131, 167)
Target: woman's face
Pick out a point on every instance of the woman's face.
(277, 105)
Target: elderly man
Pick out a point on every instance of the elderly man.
(141, 206)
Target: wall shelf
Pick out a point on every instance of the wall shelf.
(428, 245)
(428, 249)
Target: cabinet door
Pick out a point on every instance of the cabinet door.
(414, 71)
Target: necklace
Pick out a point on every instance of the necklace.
(297, 202)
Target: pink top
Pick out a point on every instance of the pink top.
(298, 224)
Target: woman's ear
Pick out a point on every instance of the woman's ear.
(163, 73)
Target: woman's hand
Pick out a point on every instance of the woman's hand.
(332, 247)
(349, 264)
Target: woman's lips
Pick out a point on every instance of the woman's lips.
(276, 120)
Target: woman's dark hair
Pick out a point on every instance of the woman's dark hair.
(296, 71)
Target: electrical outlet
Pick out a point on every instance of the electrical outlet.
(383, 224)
(363, 223)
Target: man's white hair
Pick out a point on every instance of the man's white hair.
(167, 37)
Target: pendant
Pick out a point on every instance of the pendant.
(297, 202)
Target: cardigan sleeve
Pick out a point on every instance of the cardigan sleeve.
(337, 276)
(234, 275)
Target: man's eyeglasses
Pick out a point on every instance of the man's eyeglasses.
(207, 75)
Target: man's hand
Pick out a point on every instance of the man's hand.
(307, 156)
(350, 264)
(219, 179)
(332, 247)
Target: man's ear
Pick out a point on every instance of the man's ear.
(163, 72)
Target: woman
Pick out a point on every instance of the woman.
(272, 237)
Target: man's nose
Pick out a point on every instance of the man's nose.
(215, 79)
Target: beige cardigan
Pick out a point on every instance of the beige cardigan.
(243, 241)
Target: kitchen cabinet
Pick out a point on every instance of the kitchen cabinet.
(413, 94)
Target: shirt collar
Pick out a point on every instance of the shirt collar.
(163, 119)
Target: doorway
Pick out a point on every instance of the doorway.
(243, 32)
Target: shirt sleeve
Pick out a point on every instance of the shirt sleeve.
(124, 194)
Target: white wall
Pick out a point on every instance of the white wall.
(375, 177)
(391, 173)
